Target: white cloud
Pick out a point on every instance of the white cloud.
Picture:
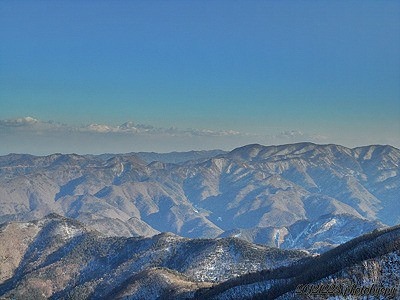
(32, 124)
(31, 135)
(20, 122)
(101, 128)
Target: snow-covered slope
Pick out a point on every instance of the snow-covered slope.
(250, 189)
(318, 236)
(369, 260)
(59, 258)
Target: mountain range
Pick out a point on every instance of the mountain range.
(56, 257)
(258, 222)
(297, 196)
(59, 258)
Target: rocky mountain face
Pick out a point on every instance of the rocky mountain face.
(291, 196)
(367, 267)
(59, 258)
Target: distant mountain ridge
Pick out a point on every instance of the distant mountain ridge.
(174, 157)
(178, 157)
(252, 190)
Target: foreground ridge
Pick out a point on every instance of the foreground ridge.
(59, 258)
(366, 260)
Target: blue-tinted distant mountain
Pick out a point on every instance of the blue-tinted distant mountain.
(250, 189)
(319, 235)
(170, 157)
(178, 157)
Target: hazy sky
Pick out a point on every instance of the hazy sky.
(197, 74)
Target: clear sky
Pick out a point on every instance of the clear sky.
(197, 74)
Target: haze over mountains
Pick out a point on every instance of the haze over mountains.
(303, 195)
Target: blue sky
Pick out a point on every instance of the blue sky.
(221, 73)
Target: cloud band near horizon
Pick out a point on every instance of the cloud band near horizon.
(34, 136)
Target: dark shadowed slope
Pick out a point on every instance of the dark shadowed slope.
(370, 259)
